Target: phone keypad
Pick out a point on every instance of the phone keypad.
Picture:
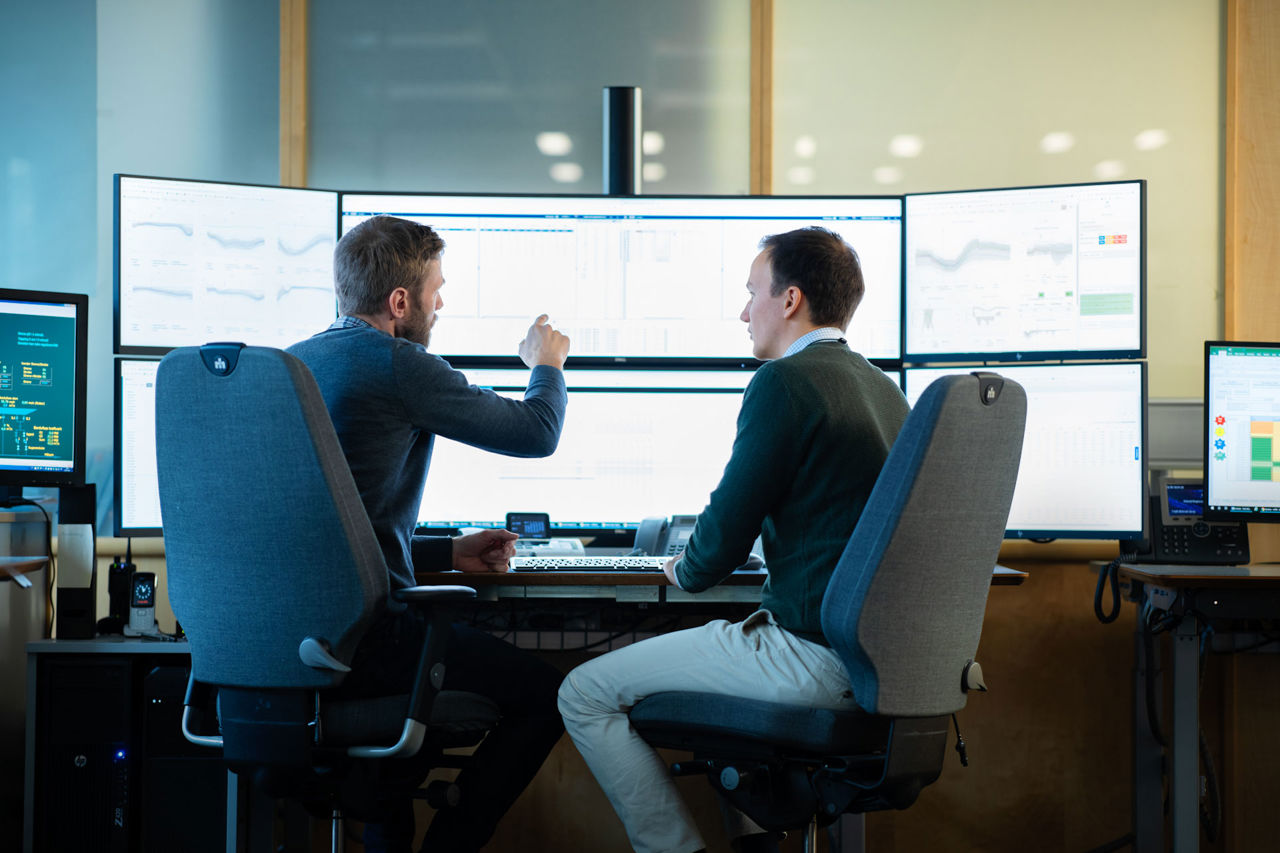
(1201, 543)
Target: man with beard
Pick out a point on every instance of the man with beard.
(388, 399)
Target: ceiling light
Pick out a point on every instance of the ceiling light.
(906, 145)
(800, 175)
(554, 143)
(886, 175)
(1151, 139)
(566, 173)
(1108, 169)
(652, 172)
(806, 146)
(652, 142)
(1057, 142)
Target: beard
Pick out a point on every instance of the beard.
(416, 327)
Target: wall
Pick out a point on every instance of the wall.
(918, 96)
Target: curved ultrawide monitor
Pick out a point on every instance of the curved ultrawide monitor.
(1026, 274)
(43, 359)
(636, 279)
(1242, 431)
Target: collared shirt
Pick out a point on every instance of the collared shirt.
(346, 321)
(826, 333)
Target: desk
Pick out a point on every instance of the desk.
(1200, 595)
(741, 590)
(626, 586)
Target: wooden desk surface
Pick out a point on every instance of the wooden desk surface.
(1254, 576)
(1001, 576)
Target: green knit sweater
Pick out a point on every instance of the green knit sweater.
(813, 433)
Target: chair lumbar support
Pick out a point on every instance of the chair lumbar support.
(971, 679)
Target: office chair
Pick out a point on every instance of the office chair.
(275, 574)
(903, 609)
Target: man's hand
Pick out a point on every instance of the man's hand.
(669, 569)
(544, 345)
(485, 551)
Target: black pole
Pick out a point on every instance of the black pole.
(622, 140)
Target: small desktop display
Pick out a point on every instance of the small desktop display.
(197, 261)
(1032, 273)
(1242, 431)
(634, 278)
(1082, 474)
(137, 490)
(636, 443)
(43, 346)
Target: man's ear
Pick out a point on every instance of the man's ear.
(398, 303)
(792, 301)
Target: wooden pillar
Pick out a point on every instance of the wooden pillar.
(1251, 311)
(761, 97)
(293, 93)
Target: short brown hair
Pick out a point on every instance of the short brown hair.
(823, 266)
(379, 255)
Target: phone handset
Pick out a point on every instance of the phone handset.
(666, 537)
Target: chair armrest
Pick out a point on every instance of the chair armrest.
(429, 594)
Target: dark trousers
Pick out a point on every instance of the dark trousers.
(523, 687)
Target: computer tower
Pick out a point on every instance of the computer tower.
(85, 758)
(182, 792)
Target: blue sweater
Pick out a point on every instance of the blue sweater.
(389, 398)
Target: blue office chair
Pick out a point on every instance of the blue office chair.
(904, 610)
(275, 574)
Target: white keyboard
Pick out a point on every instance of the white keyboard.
(587, 564)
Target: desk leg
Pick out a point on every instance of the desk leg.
(1185, 783)
(1148, 755)
(233, 810)
(850, 835)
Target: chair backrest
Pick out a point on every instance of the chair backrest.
(905, 605)
(266, 539)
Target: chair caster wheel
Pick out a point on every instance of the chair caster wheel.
(443, 795)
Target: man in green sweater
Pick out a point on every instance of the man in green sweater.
(816, 425)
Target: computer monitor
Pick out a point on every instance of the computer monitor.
(636, 443)
(1242, 431)
(199, 261)
(1032, 273)
(1082, 474)
(137, 492)
(634, 278)
(43, 359)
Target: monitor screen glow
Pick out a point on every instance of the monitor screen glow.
(1242, 431)
(200, 261)
(1007, 274)
(137, 491)
(635, 444)
(632, 277)
(1082, 474)
(43, 342)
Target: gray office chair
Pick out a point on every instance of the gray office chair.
(275, 574)
(904, 610)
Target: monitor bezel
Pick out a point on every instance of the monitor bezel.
(19, 477)
(1038, 534)
(664, 362)
(137, 350)
(1253, 514)
(119, 529)
(1033, 356)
